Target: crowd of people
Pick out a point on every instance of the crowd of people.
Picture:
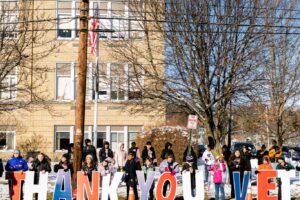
(218, 169)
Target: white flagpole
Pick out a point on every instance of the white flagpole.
(96, 85)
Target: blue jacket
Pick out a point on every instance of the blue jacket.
(16, 164)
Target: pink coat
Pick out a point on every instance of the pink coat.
(218, 173)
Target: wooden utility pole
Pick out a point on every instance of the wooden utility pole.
(81, 89)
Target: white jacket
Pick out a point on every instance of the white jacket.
(120, 158)
(208, 157)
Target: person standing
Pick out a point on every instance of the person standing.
(105, 152)
(282, 165)
(89, 167)
(70, 154)
(89, 149)
(168, 165)
(135, 150)
(166, 150)
(226, 153)
(247, 158)
(16, 164)
(149, 151)
(192, 153)
(236, 164)
(191, 167)
(274, 152)
(149, 167)
(120, 158)
(218, 169)
(261, 154)
(208, 159)
(130, 174)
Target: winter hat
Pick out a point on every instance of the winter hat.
(189, 158)
(89, 156)
(17, 151)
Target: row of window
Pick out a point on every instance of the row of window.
(117, 82)
(64, 135)
(117, 19)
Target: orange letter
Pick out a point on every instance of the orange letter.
(167, 176)
(264, 186)
(83, 186)
(15, 179)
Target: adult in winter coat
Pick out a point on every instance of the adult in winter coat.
(192, 153)
(70, 154)
(40, 164)
(282, 165)
(149, 151)
(105, 152)
(261, 154)
(168, 165)
(236, 164)
(135, 150)
(89, 149)
(191, 167)
(208, 159)
(64, 164)
(218, 169)
(226, 152)
(247, 158)
(131, 167)
(120, 158)
(167, 150)
(274, 151)
(16, 163)
(89, 167)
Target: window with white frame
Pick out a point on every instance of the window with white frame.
(65, 16)
(66, 79)
(8, 17)
(133, 131)
(136, 21)
(63, 136)
(104, 83)
(115, 19)
(135, 82)
(116, 136)
(7, 138)
(8, 82)
(101, 136)
(118, 81)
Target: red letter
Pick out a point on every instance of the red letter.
(264, 186)
(15, 179)
(167, 176)
(83, 186)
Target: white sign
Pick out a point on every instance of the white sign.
(192, 122)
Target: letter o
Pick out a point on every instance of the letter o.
(167, 176)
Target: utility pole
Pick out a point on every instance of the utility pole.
(81, 89)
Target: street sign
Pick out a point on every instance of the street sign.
(192, 122)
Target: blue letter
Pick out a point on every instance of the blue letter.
(66, 193)
(237, 185)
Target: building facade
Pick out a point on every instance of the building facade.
(49, 127)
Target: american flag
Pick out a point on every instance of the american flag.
(93, 36)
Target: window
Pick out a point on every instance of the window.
(64, 15)
(63, 81)
(101, 136)
(8, 84)
(117, 136)
(133, 131)
(114, 19)
(104, 86)
(136, 21)
(9, 15)
(118, 79)
(7, 137)
(135, 82)
(62, 137)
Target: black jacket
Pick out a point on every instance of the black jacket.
(103, 155)
(237, 166)
(247, 164)
(38, 166)
(192, 153)
(260, 154)
(130, 170)
(60, 166)
(91, 150)
(89, 171)
(150, 154)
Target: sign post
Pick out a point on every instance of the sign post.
(192, 125)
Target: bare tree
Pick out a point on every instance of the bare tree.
(198, 55)
(23, 43)
(281, 67)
